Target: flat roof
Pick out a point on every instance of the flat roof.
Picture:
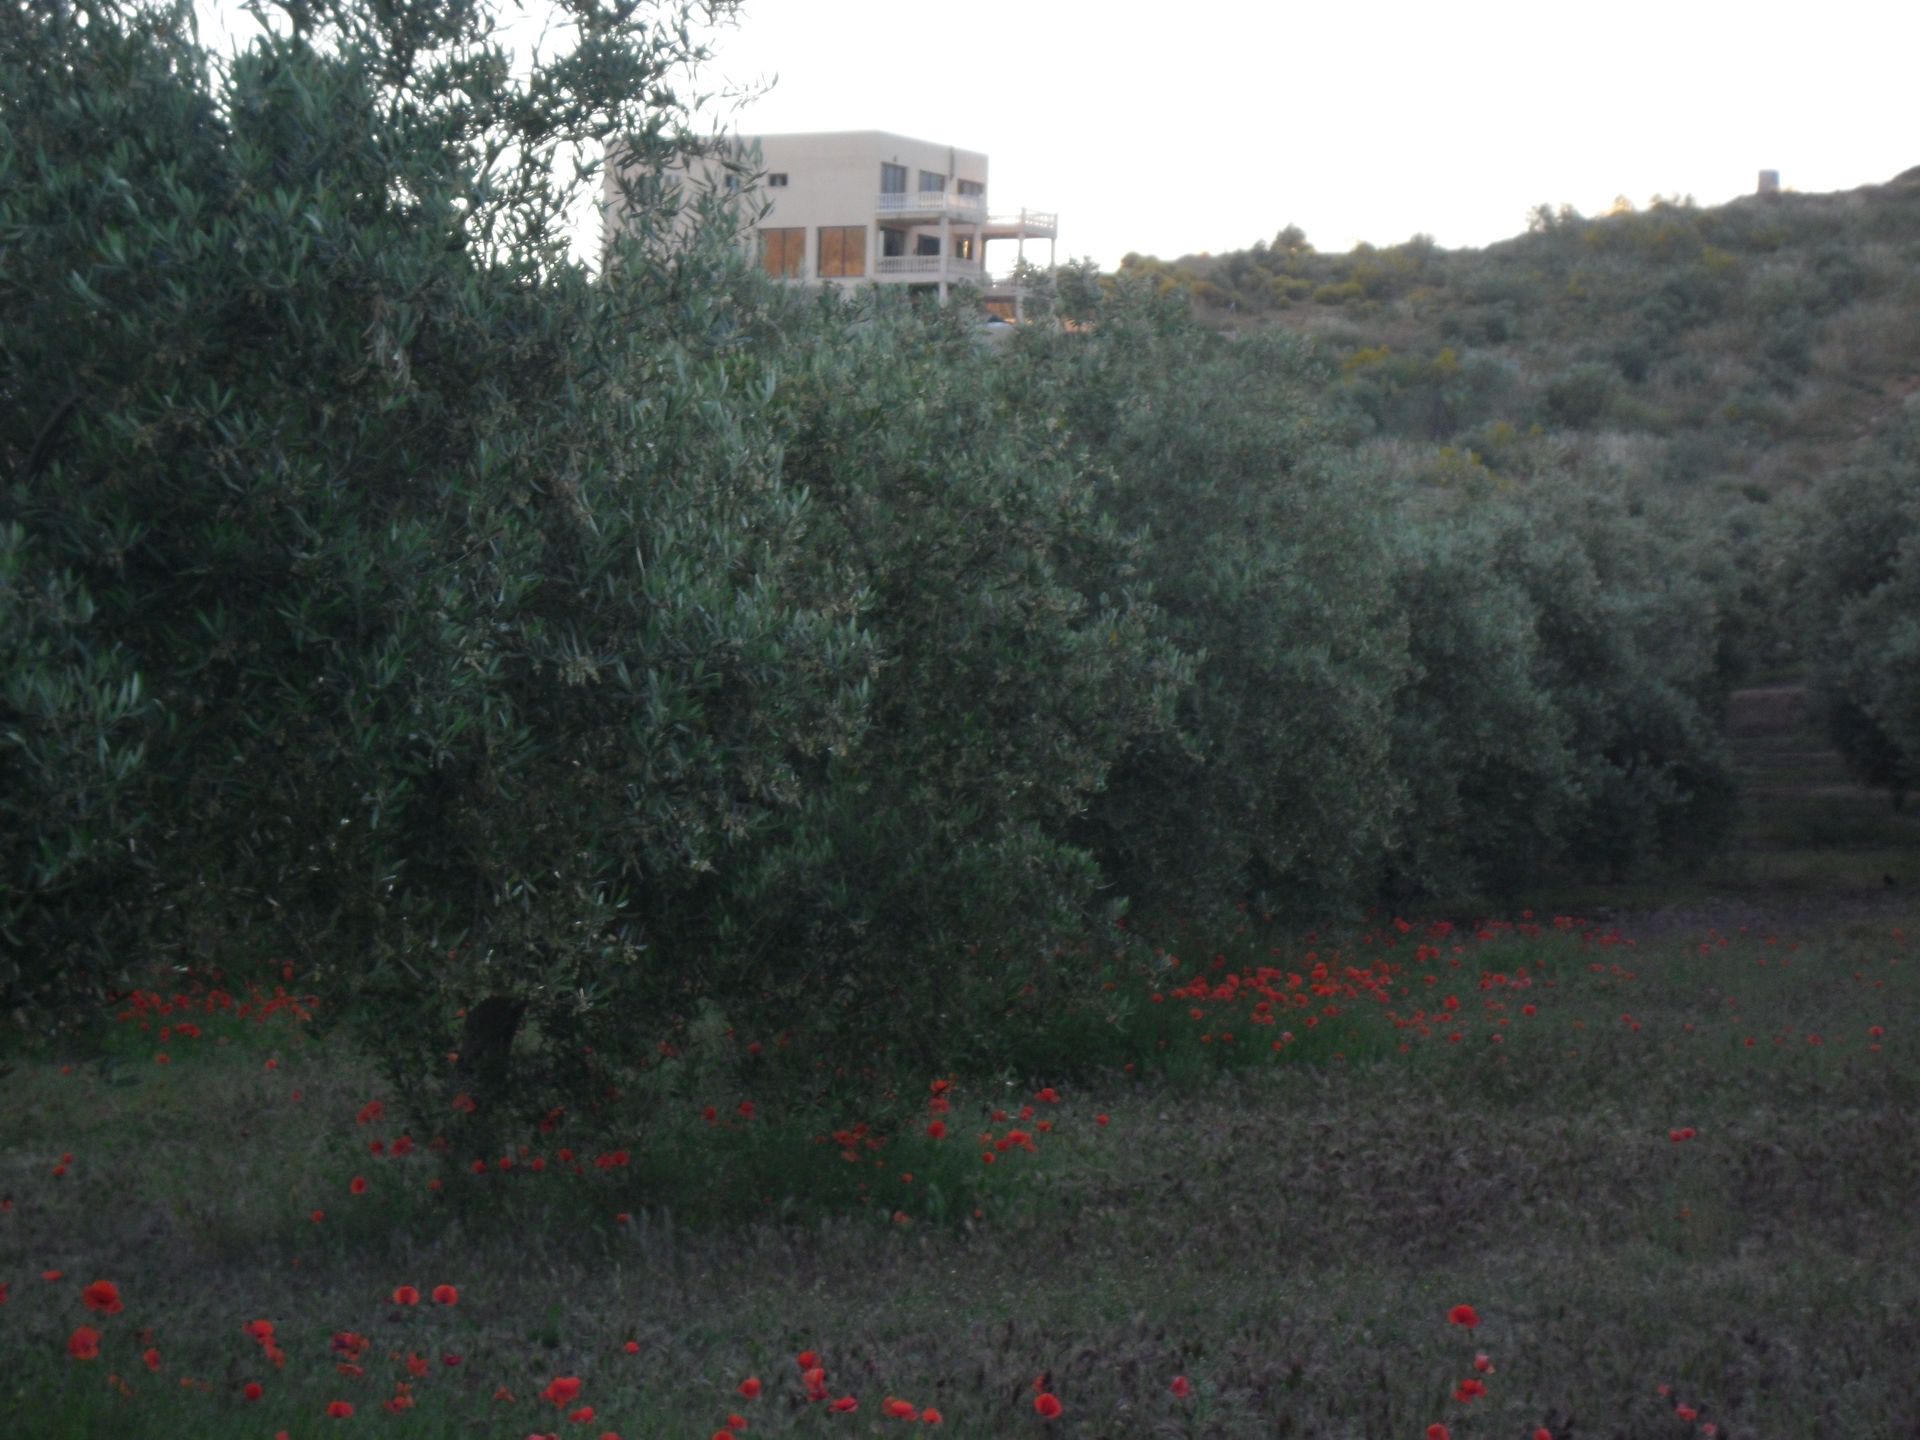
(851, 134)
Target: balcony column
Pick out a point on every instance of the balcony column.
(1020, 257)
(946, 246)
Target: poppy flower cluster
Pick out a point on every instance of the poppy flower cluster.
(441, 1295)
(813, 1377)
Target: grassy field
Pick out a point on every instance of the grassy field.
(1670, 1160)
(1286, 1231)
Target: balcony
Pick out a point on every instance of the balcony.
(1027, 224)
(958, 271)
(931, 202)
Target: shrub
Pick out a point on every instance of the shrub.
(1338, 293)
(1579, 398)
(934, 865)
(1855, 563)
(461, 591)
(1268, 562)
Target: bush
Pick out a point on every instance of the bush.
(1483, 750)
(1268, 561)
(1627, 646)
(1855, 563)
(1580, 397)
(462, 592)
(934, 865)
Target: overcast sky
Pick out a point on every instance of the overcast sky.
(1170, 129)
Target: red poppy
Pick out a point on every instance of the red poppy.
(632, 1347)
(406, 1295)
(1181, 1387)
(1463, 1315)
(562, 1390)
(930, 1416)
(251, 1390)
(102, 1297)
(806, 1359)
(1439, 1432)
(150, 1357)
(1686, 1413)
(1047, 1405)
(938, 1130)
(1483, 1364)
(736, 1423)
(1543, 1434)
(84, 1343)
(899, 1409)
(582, 1415)
(445, 1295)
(845, 1404)
(339, 1410)
(358, 1185)
(1467, 1391)
(750, 1387)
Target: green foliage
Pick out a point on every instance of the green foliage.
(1268, 562)
(460, 588)
(562, 672)
(931, 867)
(1579, 398)
(1483, 749)
(1856, 564)
(1627, 649)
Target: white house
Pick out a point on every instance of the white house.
(866, 207)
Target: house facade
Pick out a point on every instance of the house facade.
(867, 207)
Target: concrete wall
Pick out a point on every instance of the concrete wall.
(833, 179)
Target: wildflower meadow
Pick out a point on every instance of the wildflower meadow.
(1517, 1178)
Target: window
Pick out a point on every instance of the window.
(926, 244)
(963, 247)
(892, 241)
(843, 249)
(970, 187)
(783, 252)
(930, 182)
(777, 180)
(893, 179)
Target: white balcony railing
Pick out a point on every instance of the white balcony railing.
(1035, 222)
(930, 202)
(956, 268)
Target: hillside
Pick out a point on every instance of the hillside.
(1741, 350)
